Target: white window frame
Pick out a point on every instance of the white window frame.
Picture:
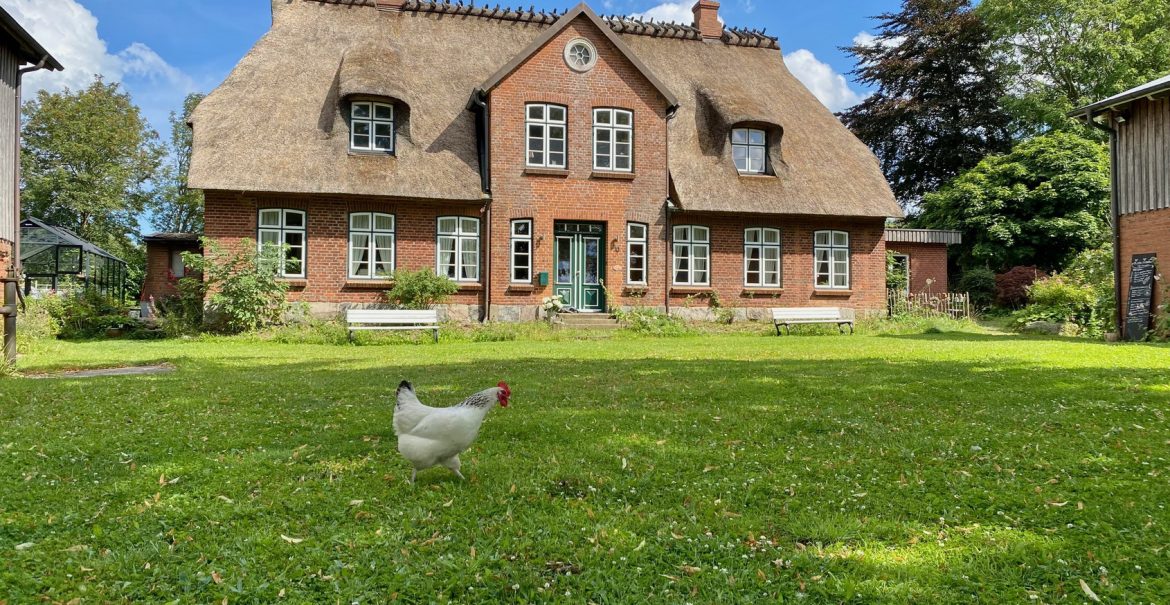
(686, 238)
(605, 125)
(831, 244)
(518, 238)
(178, 267)
(907, 257)
(749, 140)
(371, 232)
(371, 122)
(546, 124)
(634, 240)
(462, 237)
(282, 230)
(765, 239)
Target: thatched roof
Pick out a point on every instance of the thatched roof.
(275, 124)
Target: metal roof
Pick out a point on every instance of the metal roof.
(924, 236)
(28, 49)
(66, 237)
(1145, 90)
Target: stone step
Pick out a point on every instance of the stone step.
(588, 321)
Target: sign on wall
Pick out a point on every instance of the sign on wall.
(1140, 301)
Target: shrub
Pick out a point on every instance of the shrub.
(243, 289)
(1093, 268)
(421, 289)
(979, 283)
(1060, 300)
(89, 314)
(1011, 288)
(897, 274)
(645, 320)
(38, 319)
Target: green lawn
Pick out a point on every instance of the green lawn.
(730, 468)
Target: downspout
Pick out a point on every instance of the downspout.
(479, 105)
(1114, 217)
(671, 112)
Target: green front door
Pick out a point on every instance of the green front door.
(579, 263)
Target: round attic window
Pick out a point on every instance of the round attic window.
(581, 55)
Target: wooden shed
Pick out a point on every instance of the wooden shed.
(1138, 121)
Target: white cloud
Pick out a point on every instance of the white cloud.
(676, 12)
(70, 32)
(868, 39)
(827, 85)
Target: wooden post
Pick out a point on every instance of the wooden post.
(8, 311)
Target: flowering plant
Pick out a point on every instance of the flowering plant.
(554, 303)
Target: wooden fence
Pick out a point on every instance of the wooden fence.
(929, 304)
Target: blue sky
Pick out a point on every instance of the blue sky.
(163, 49)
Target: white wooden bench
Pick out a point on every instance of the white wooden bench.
(789, 317)
(377, 319)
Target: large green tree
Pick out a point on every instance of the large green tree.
(1063, 54)
(936, 109)
(87, 159)
(176, 207)
(1040, 204)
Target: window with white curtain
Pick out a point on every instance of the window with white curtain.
(371, 245)
(692, 255)
(831, 254)
(761, 258)
(458, 248)
(284, 230)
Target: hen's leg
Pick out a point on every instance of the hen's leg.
(453, 464)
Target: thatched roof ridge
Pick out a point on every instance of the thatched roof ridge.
(276, 123)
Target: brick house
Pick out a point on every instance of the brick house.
(164, 265)
(1138, 121)
(923, 255)
(522, 154)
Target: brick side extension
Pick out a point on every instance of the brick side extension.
(927, 262)
(1143, 233)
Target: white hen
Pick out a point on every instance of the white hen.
(432, 436)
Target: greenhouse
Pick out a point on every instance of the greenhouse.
(57, 260)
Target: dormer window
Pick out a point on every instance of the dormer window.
(371, 127)
(749, 149)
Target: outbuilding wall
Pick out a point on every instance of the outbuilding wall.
(1143, 233)
(928, 265)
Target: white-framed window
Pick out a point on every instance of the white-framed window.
(580, 55)
(831, 254)
(522, 251)
(371, 126)
(458, 248)
(761, 257)
(749, 149)
(546, 133)
(692, 255)
(636, 240)
(613, 140)
(285, 230)
(371, 245)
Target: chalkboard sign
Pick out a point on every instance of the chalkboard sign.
(1141, 296)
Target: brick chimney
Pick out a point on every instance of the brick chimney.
(707, 19)
(390, 5)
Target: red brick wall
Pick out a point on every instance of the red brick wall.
(157, 281)
(230, 218)
(1143, 233)
(579, 196)
(927, 262)
(867, 270)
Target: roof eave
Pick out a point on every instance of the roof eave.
(1142, 92)
(32, 52)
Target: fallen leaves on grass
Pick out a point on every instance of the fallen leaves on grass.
(1089, 592)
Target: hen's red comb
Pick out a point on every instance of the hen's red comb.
(504, 385)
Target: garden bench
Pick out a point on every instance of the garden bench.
(788, 317)
(377, 319)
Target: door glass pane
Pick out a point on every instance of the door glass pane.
(591, 261)
(564, 269)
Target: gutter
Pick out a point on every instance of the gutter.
(1114, 217)
(668, 249)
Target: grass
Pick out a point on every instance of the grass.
(731, 468)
